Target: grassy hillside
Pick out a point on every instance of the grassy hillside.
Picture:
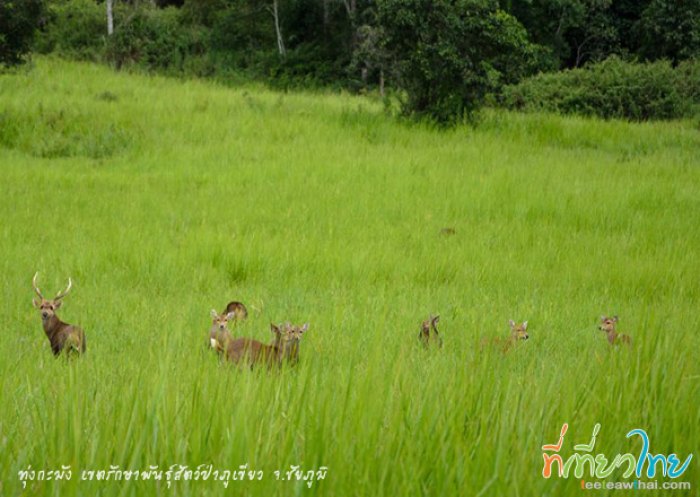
(163, 199)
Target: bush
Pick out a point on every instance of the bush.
(18, 22)
(144, 36)
(75, 29)
(153, 38)
(613, 89)
(449, 54)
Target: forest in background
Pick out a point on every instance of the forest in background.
(440, 58)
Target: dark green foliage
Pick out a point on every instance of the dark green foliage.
(449, 54)
(613, 89)
(241, 35)
(579, 31)
(671, 29)
(74, 28)
(574, 30)
(19, 20)
(153, 39)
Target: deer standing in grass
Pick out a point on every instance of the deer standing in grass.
(284, 347)
(607, 324)
(517, 332)
(219, 334)
(63, 336)
(429, 333)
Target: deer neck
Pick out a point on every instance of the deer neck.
(51, 325)
(290, 351)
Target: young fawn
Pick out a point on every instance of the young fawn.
(429, 332)
(62, 336)
(607, 324)
(517, 332)
(284, 348)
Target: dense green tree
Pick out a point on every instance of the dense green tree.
(19, 20)
(449, 54)
(575, 31)
(670, 29)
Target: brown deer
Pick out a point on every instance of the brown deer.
(517, 332)
(607, 324)
(237, 309)
(429, 332)
(63, 336)
(284, 348)
(219, 334)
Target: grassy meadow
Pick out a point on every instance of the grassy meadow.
(164, 198)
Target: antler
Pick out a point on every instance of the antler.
(62, 294)
(36, 288)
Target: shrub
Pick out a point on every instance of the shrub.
(152, 38)
(613, 88)
(18, 22)
(449, 54)
(74, 28)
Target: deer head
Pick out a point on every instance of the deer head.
(287, 338)
(607, 324)
(518, 331)
(48, 307)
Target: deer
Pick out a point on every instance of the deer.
(607, 325)
(237, 309)
(284, 347)
(62, 336)
(219, 334)
(518, 332)
(429, 333)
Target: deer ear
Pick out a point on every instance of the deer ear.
(603, 318)
(274, 328)
(304, 328)
(511, 323)
(214, 314)
(525, 325)
(436, 319)
(36, 303)
(56, 305)
(615, 318)
(230, 315)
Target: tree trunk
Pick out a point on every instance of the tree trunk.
(110, 17)
(278, 30)
(350, 8)
(381, 82)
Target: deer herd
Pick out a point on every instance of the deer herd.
(284, 349)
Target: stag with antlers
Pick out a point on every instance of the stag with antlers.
(63, 336)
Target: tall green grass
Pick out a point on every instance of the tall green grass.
(163, 199)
